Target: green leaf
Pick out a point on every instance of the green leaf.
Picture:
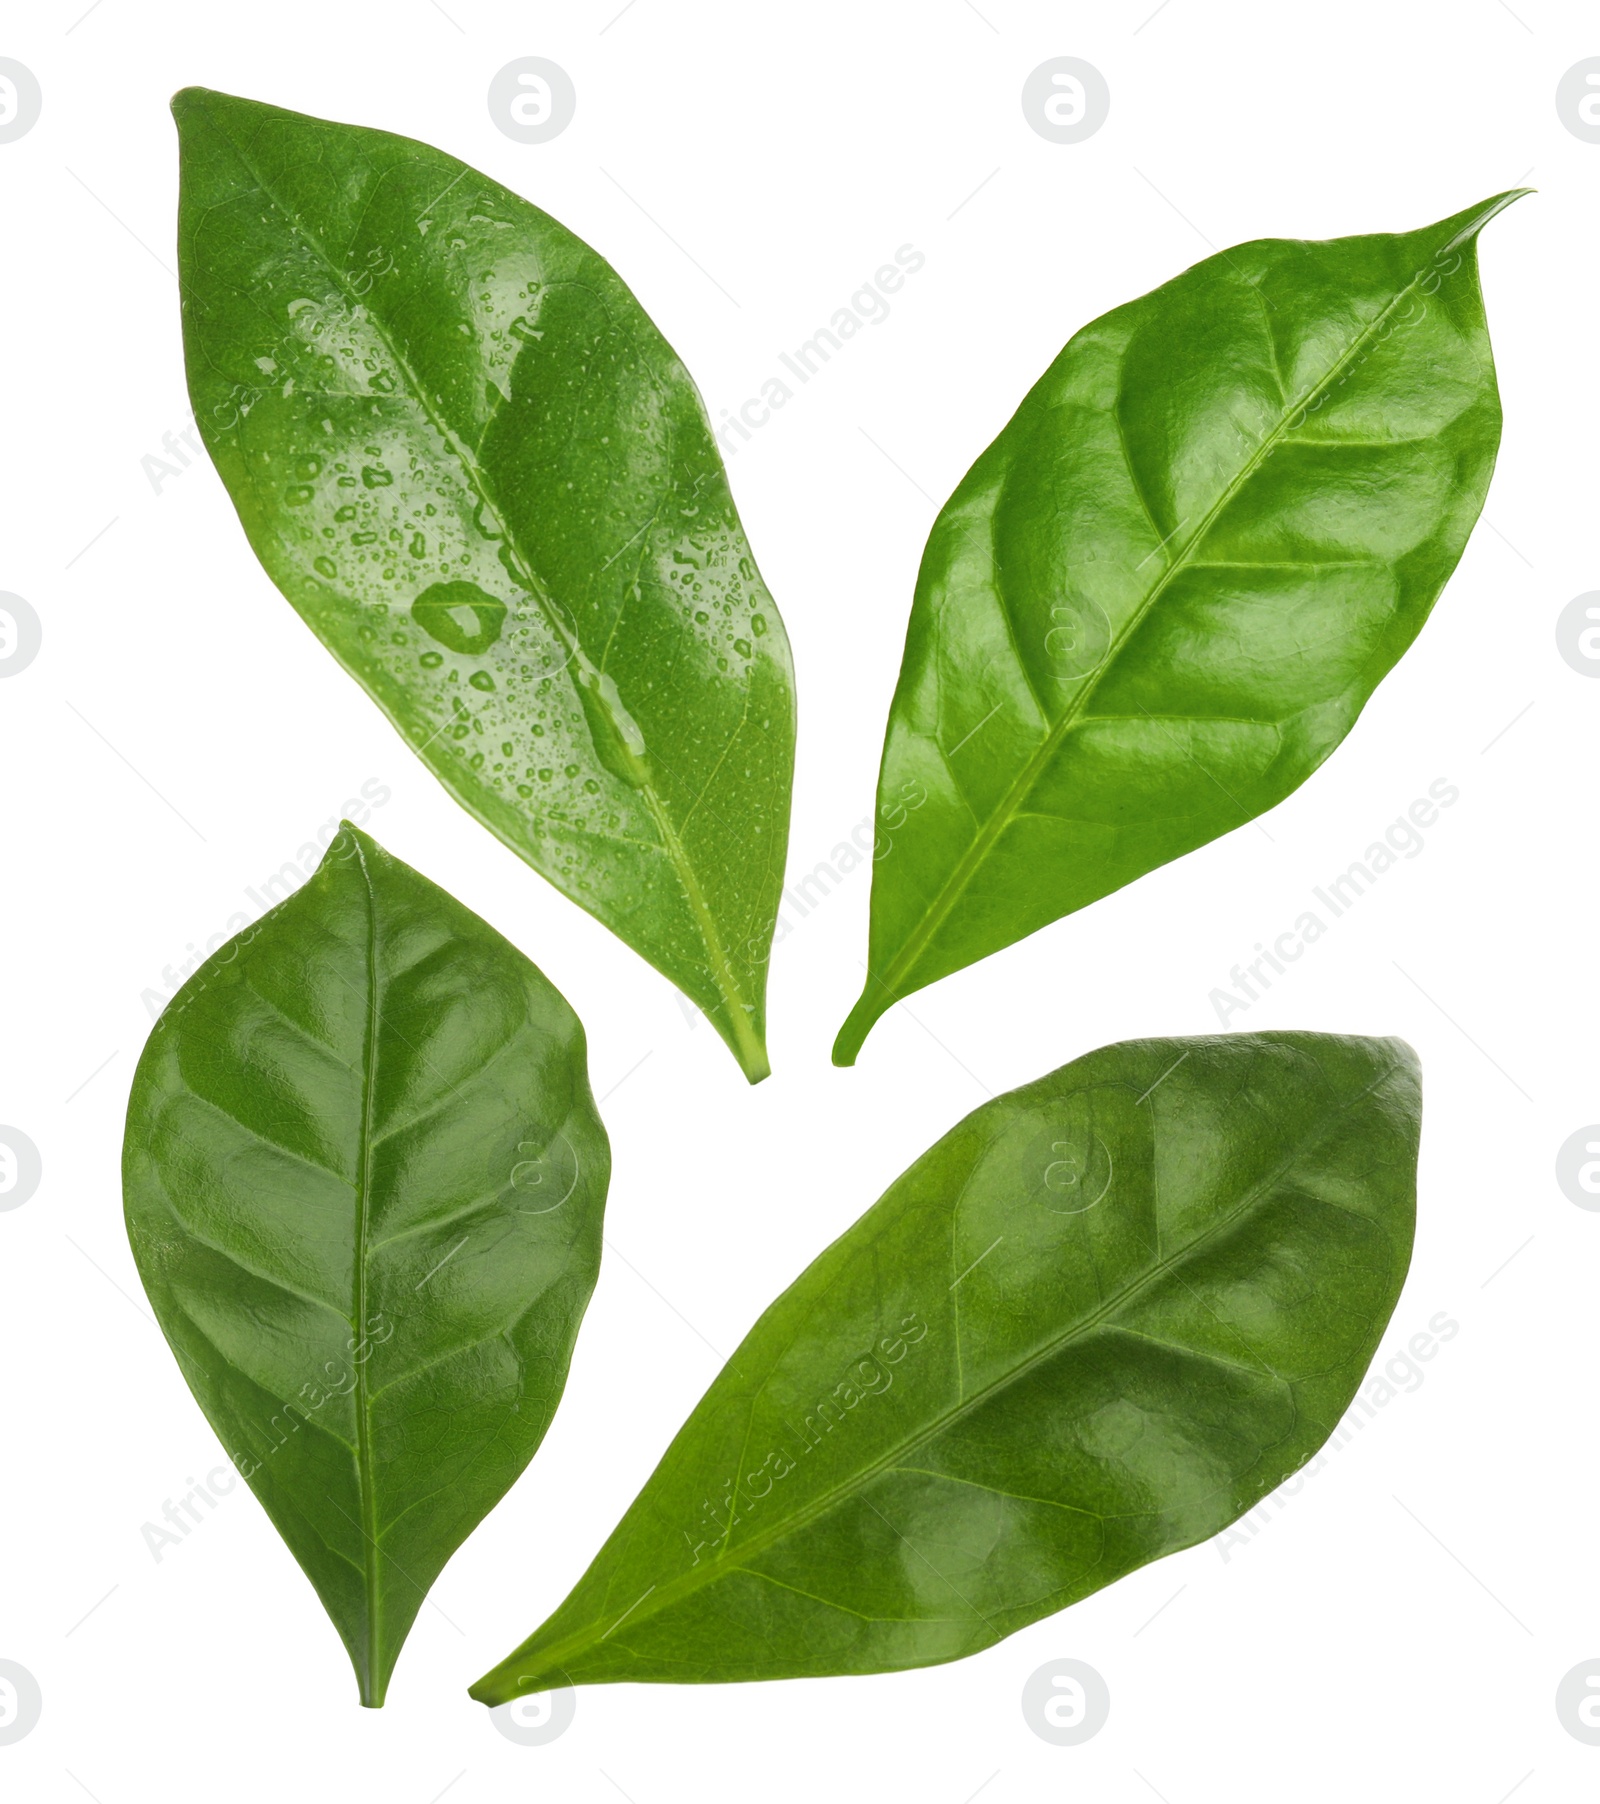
(487, 484)
(1097, 1322)
(364, 1179)
(1164, 593)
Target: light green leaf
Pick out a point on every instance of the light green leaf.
(1100, 1320)
(463, 452)
(1161, 597)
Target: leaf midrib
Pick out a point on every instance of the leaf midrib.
(373, 1679)
(738, 1010)
(983, 842)
(740, 1558)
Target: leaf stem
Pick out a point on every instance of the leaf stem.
(858, 1024)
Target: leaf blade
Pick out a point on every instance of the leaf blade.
(1117, 691)
(1092, 1325)
(334, 1152)
(477, 471)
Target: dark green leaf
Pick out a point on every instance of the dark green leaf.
(1097, 1322)
(364, 1179)
(1164, 593)
(487, 484)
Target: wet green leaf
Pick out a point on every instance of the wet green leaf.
(485, 481)
(364, 1179)
(1161, 597)
(1100, 1320)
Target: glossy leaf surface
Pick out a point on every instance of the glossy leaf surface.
(364, 1179)
(1161, 597)
(470, 461)
(1098, 1321)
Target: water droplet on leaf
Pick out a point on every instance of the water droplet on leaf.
(460, 616)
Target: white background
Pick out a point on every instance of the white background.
(1403, 1620)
